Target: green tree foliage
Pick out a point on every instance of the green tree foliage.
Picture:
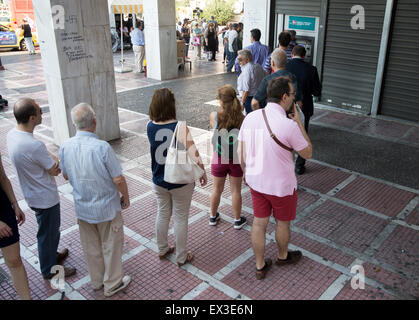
(222, 10)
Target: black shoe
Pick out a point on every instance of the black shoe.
(240, 224)
(300, 170)
(68, 272)
(61, 256)
(261, 273)
(214, 220)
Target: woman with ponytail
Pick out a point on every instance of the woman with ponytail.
(226, 123)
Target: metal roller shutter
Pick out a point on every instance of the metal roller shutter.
(351, 56)
(298, 7)
(400, 94)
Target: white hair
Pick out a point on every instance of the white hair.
(83, 116)
(279, 57)
(246, 54)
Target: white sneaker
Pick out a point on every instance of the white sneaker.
(125, 282)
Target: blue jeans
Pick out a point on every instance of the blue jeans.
(231, 60)
(248, 105)
(48, 236)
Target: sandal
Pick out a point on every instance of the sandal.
(171, 250)
(189, 258)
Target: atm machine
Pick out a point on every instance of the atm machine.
(307, 29)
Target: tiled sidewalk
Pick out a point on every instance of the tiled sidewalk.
(343, 219)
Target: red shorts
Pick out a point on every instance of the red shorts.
(284, 208)
(221, 170)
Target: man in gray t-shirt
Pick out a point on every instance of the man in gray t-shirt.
(36, 169)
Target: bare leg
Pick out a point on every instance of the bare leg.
(236, 194)
(217, 190)
(282, 237)
(14, 262)
(258, 235)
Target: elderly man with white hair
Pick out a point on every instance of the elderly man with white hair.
(91, 166)
(278, 62)
(250, 78)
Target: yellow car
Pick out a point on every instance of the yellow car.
(13, 38)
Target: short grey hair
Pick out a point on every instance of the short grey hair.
(246, 54)
(83, 116)
(279, 57)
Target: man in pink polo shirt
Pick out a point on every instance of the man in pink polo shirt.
(269, 169)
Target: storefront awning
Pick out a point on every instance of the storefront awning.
(127, 6)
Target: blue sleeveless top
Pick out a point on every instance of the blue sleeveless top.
(160, 135)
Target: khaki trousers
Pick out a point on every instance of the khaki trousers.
(102, 245)
(139, 53)
(177, 201)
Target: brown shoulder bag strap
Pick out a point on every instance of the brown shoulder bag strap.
(273, 135)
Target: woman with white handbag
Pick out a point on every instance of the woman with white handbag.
(176, 165)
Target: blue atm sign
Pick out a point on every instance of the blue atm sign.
(302, 23)
(8, 38)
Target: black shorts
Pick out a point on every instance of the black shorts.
(7, 215)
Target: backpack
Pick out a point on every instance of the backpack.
(226, 141)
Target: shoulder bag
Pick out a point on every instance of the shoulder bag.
(179, 167)
(273, 135)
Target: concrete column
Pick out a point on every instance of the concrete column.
(77, 58)
(160, 39)
(256, 15)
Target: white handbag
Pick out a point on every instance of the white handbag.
(179, 167)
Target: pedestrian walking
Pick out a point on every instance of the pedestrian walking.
(232, 46)
(249, 80)
(226, 123)
(36, 169)
(186, 35)
(95, 174)
(309, 85)
(266, 140)
(278, 61)
(27, 34)
(138, 46)
(259, 51)
(197, 40)
(171, 198)
(115, 39)
(210, 40)
(10, 217)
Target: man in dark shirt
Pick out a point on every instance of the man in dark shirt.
(27, 34)
(278, 61)
(309, 85)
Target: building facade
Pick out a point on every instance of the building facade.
(365, 50)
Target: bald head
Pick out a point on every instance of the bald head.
(24, 108)
(83, 116)
(279, 57)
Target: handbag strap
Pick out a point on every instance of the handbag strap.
(272, 134)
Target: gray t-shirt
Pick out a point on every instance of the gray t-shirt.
(32, 161)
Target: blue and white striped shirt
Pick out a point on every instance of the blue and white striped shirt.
(90, 164)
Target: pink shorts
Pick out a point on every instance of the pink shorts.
(284, 208)
(220, 170)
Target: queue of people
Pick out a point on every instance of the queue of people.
(255, 134)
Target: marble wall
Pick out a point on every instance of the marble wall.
(256, 15)
(77, 58)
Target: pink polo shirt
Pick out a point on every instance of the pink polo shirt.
(269, 167)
